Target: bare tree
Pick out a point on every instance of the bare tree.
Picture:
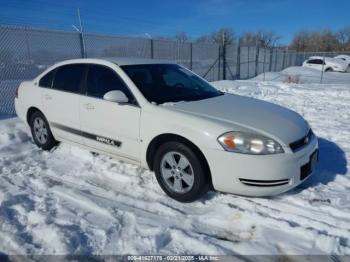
(267, 38)
(248, 38)
(224, 35)
(261, 38)
(181, 37)
(324, 41)
(163, 37)
(299, 42)
(343, 36)
(203, 39)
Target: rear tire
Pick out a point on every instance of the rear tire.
(41, 131)
(180, 173)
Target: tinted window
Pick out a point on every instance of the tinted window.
(176, 78)
(161, 83)
(101, 80)
(46, 80)
(315, 61)
(68, 78)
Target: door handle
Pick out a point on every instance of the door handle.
(89, 106)
(48, 97)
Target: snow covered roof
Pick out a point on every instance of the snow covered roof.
(136, 61)
(118, 60)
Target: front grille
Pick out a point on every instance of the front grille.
(302, 141)
(264, 183)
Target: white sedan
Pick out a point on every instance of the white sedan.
(326, 64)
(166, 118)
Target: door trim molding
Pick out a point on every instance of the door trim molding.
(98, 138)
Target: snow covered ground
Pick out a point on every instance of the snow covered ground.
(70, 201)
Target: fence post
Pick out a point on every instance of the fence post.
(224, 61)
(264, 62)
(284, 58)
(219, 65)
(256, 60)
(151, 46)
(191, 47)
(248, 61)
(82, 45)
(238, 62)
(271, 56)
(323, 62)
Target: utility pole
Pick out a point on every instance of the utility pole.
(82, 43)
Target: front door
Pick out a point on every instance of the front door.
(105, 125)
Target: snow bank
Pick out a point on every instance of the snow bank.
(70, 201)
(303, 75)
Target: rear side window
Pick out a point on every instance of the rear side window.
(315, 61)
(46, 80)
(68, 78)
(101, 80)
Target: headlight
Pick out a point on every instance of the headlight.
(249, 143)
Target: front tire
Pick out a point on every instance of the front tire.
(41, 131)
(180, 173)
(329, 69)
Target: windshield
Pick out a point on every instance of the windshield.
(162, 83)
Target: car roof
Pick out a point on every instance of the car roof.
(119, 61)
(326, 58)
(321, 57)
(137, 61)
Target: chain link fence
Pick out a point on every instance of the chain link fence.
(26, 52)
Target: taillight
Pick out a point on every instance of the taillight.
(17, 92)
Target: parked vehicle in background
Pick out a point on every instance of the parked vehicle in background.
(345, 58)
(326, 64)
(164, 117)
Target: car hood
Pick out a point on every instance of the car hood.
(339, 63)
(257, 115)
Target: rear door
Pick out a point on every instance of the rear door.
(61, 102)
(105, 125)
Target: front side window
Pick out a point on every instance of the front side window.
(100, 80)
(46, 80)
(68, 78)
(161, 83)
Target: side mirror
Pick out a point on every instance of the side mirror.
(116, 96)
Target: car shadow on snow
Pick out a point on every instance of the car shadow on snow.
(332, 162)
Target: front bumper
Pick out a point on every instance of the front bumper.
(259, 175)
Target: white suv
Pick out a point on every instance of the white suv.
(164, 117)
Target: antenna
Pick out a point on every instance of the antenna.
(80, 24)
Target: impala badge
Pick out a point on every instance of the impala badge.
(107, 141)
